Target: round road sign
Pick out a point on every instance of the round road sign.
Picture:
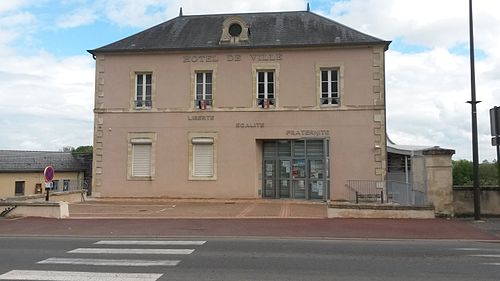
(48, 173)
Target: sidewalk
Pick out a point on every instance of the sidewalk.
(243, 218)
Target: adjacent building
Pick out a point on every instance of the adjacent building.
(21, 172)
(256, 105)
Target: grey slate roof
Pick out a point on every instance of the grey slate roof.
(267, 30)
(36, 161)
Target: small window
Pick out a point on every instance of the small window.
(143, 90)
(55, 185)
(19, 188)
(235, 29)
(329, 87)
(203, 88)
(141, 160)
(203, 157)
(65, 185)
(265, 89)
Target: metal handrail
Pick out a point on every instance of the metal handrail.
(143, 103)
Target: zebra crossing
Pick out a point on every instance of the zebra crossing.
(103, 247)
(492, 256)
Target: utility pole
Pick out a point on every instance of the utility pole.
(473, 103)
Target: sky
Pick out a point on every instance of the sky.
(47, 76)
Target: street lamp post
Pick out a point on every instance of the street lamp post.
(473, 103)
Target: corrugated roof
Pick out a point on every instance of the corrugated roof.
(31, 161)
(278, 29)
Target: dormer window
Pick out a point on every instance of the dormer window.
(235, 30)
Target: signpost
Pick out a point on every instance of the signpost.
(48, 173)
(495, 133)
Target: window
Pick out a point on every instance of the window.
(265, 89)
(65, 185)
(141, 159)
(203, 95)
(329, 87)
(19, 188)
(203, 157)
(143, 89)
(55, 184)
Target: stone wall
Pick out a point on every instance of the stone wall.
(439, 180)
(463, 201)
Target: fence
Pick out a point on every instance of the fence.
(69, 185)
(401, 193)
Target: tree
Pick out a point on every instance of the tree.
(83, 149)
(462, 172)
(67, 149)
(80, 149)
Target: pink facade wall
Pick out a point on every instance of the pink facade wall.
(356, 128)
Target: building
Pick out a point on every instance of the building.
(421, 175)
(21, 172)
(257, 105)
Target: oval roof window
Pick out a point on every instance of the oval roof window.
(235, 29)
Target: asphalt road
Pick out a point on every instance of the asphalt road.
(134, 259)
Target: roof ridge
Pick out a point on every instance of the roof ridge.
(249, 13)
(43, 151)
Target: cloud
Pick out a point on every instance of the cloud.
(77, 18)
(427, 90)
(46, 101)
(145, 13)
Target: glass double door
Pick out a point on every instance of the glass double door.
(287, 176)
(294, 178)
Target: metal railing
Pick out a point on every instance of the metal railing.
(332, 100)
(143, 103)
(266, 103)
(401, 193)
(365, 191)
(70, 185)
(203, 104)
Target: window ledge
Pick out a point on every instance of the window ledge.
(191, 178)
(141, 178)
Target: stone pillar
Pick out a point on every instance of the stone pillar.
(438, 169)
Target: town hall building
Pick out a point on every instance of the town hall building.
(253, 105)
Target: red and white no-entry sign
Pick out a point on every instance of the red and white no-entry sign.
(48, 173)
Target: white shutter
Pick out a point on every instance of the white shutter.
(203, 160)
(141, 160)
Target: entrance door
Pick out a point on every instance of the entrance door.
(295, 169)
(299, 178)
(316, 178)
(269, 178)
(19, 188)
(285, 178)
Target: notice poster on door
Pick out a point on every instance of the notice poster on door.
(316, 169)
(317, 187)
(269, 183)
(286, 165)
(269, 170)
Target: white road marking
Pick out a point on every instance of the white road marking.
(110, 262)
(467, 249)
(486, 256)
(152, 242)
(77, 276)
(492, 263)
(132, 251)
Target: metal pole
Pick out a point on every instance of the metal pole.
(473, 102)
(496, 109)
